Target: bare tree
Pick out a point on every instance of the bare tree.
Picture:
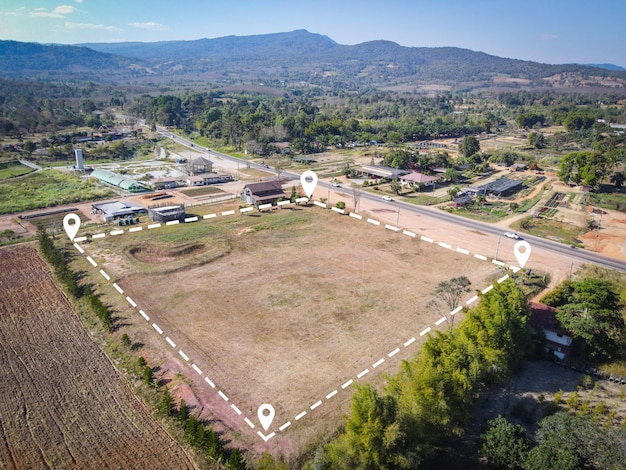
(449, 294)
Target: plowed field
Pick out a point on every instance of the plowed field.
(62, 403)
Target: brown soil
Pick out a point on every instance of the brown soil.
(62, 403)
(289, 315)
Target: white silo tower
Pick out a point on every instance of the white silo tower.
(78, 153)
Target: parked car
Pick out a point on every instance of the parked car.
(387, 198)
(513, 235)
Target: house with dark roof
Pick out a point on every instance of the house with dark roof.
(557, 341)
(380, 171)
(266, 192)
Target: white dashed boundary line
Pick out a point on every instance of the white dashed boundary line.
(346, 384)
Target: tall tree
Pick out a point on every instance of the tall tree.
(592, 311)
(469, 146)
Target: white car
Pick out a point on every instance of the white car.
(511, 235)
(387, 198)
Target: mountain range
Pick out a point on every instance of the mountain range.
(295, 58)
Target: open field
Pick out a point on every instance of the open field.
(13, 169)
(281, 308)
(46, 188)
(62, 403)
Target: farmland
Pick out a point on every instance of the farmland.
(62, 403)
(281, 307)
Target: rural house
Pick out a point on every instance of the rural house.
(557, 341)
(265, 192)
(415, 179)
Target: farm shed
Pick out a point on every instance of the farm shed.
(210, 178)
(265, 192)
(501, 187)
(380, 171)
(117, 210)
(164, 213)
(119, 181)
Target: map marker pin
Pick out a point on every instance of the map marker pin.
(308, 180)
(266, 412)
(71, 224)
(522, 255)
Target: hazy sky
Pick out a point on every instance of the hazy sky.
(551, 31)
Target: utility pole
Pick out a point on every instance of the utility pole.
(497, 247)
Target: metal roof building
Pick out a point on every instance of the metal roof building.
(119, 181)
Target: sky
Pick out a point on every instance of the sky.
(549, 31)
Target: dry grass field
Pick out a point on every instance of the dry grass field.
(62, 403)
(282, 308)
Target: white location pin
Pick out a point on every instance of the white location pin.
(266, 415)
(308, 180)
(522, 252)
(71, 224)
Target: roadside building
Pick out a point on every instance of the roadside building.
(380, 171)
(210, 178)
(165, 213)
(118, 181)
(416, 178)
(165, 183)
(499, 187)
(111, 211)
(544, 323)
(266, 192)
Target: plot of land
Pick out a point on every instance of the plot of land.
(62, 404)
(283, 307)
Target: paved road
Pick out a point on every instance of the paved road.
(576, 255)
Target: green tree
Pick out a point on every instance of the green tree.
(537, 140)
(592, 311)
(504, 444)
(453, 191)
(183, 411)
(125, 340)
(235, 460)
(371, 439)
(395, 186)
(469, 146)
(166, 404)
(452, 175)
(147, 375)
(573, 441)
(618, 179)
(29, 147)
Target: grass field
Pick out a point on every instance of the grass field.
(203, 191)
(283, 307)
(13, 169)
(46, 189)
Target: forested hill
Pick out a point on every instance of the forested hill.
(32, 60)
(297, 57)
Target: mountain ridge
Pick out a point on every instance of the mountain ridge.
(294, 57)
